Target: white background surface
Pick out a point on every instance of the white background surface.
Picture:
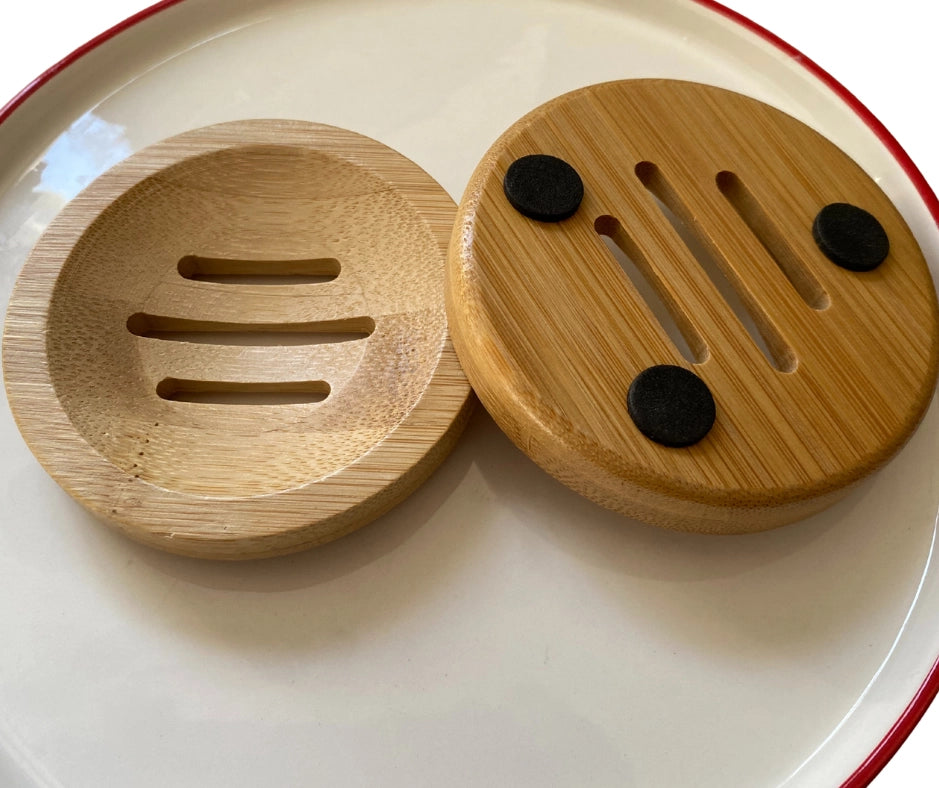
(886, 57)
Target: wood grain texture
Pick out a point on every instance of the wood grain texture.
(551, 331)
(234, 344)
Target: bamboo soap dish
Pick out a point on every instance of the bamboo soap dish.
(234, 344)
(689, 306)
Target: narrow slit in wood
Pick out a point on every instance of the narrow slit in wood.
(749, 312)
(229, 393)
(769, 235)
(630, 258)
(206, 332)
(258, 272)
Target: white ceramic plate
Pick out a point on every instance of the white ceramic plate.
(495, 628)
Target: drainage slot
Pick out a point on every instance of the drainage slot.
(219, 393)
(750, 313)
(769, 235)
(207, 332)
(258, 272)
(637, 269)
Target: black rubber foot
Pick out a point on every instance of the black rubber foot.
(671, 405)
(543, 187)
(850, 237)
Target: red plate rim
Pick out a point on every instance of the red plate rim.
(916, 708)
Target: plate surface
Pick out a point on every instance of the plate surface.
(495, 627)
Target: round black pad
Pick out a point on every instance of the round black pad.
(850, 237)
(671, 405)
(543, 187)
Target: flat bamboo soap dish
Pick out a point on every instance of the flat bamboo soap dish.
(689, 306)
(234, 344)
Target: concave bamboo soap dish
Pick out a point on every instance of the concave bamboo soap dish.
(234, 344)
(689, 306)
